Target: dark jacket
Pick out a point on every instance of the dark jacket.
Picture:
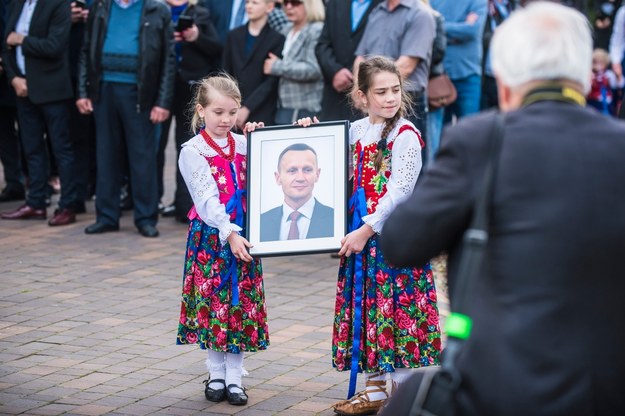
(45, 51)
(199, 58)
(7, 94)
(335, 50)
(321, 223)
(220, 14)
(259, 91)
(438, 47)
(156, 54)
(547, 307)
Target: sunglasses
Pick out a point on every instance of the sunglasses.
(293, 3)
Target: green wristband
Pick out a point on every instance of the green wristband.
(458, 325)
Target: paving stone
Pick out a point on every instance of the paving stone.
(88, 325)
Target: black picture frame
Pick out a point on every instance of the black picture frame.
(265, 197)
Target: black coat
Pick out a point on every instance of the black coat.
(7, 94)
(547, 309)
(157, 66)
(199, 58)
(220, 14)
(335, 50)
(259, 91)
(45, 50)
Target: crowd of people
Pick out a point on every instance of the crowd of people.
(89, 84)
(86, 105)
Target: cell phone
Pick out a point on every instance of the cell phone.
(81, 3)
(184, 22)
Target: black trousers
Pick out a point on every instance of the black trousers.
(35, 120)
(10, 149)
(183, 94)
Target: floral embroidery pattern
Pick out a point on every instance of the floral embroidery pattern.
(400, 316)
(207, 316)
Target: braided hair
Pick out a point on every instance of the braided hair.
(366, 71)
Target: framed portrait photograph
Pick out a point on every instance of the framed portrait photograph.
(297, 188)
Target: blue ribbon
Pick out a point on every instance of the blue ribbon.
(234, 203)
(358, 203)
(233, 277)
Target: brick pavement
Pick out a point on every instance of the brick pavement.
(88, 326)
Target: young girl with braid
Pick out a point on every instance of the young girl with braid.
(386, 318)
(223, 300)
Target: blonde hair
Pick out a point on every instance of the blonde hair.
(222, 83)
(366, 71)
(315, 10)
(601, 55)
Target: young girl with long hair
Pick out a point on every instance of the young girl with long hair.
(223, 300)
(386, 318)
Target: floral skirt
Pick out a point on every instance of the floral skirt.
(399, 315)
(208, 316)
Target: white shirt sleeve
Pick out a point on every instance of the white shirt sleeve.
(405, 168)
(617, 40)
(204, 192)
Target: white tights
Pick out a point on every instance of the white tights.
(224, 366)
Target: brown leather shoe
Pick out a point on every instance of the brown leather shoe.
(25, 212)
(62, 217)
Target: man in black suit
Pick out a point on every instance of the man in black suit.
(301, 215)
(245, 52)
(547, 307)
(336, 52)
(226, 15)
(36, 42)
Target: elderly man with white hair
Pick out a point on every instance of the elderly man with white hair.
(546, 304)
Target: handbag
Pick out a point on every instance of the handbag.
(435, 395)
(441, 91)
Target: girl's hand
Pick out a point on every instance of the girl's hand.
(355, 241)
(306, 121)
(239, 246)
(252, 125)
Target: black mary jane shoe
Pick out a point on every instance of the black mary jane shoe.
(215, 395)
(236, 399)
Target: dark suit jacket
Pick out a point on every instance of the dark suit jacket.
(201, 57)
(260, 91)
(548, 311)
(335, 50)
(220, 14)
(7, 94)
(45, 50)
(321, 223)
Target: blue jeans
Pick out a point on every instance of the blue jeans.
(435, 127)
(469, 96)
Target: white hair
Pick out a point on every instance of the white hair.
(543, 41)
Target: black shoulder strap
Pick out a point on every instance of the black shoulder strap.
(476, 237)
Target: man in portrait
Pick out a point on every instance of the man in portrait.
(301, 215)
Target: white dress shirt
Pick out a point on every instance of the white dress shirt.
(22, 26)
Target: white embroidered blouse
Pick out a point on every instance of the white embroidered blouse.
(406, 165)
(202, 186)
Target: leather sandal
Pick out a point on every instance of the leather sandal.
(236, 398)
(215, 395)
(360, 404)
